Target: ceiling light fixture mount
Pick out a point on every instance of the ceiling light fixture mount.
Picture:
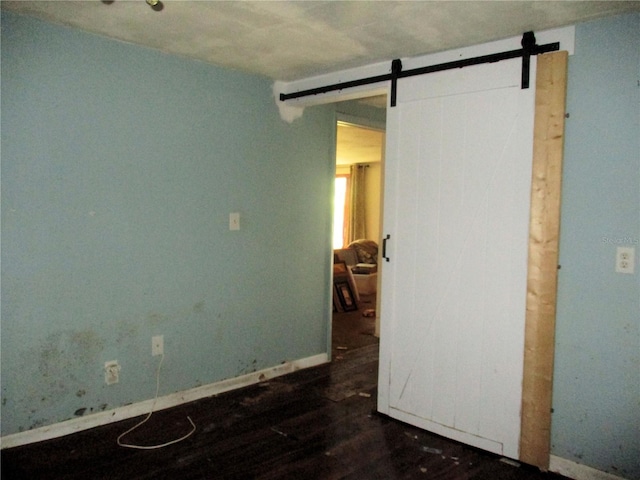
(156, 5)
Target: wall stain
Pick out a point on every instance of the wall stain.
(80, 412)
(87, 341)
(51, 354)
(248, 368)
(219, 333)
(62, 351)
(156, 318)
(36, 424)
(56, 367)
(126, 330)
(199, 307)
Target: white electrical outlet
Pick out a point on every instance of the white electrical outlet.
(157, 345)
(111, 372)
(625, 259)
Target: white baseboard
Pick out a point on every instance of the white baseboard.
(578, 471)
(129, 411)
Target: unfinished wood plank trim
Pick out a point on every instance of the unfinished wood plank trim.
(544, 230)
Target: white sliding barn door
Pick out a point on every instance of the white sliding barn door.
(457, 202)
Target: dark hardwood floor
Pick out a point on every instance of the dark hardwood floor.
(318, 423)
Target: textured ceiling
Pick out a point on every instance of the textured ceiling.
(289, 40)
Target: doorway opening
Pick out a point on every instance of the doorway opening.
(357, 223)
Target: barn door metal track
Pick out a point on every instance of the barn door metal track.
(529, 48)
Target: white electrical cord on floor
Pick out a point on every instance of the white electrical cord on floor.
(153, 447)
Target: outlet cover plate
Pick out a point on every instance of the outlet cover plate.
(625, 260)
(111, 372)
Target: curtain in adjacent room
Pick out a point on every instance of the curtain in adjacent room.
(357, 223)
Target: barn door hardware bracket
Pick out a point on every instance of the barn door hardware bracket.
(529, 48)
(396, 69)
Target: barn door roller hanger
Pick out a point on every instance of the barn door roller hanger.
(529, 48)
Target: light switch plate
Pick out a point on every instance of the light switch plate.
(234, 221)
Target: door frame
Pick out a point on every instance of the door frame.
(371, 124)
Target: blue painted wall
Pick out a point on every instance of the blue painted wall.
(596, 419)
(120, 166)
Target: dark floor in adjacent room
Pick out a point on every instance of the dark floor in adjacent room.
(318, 423)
